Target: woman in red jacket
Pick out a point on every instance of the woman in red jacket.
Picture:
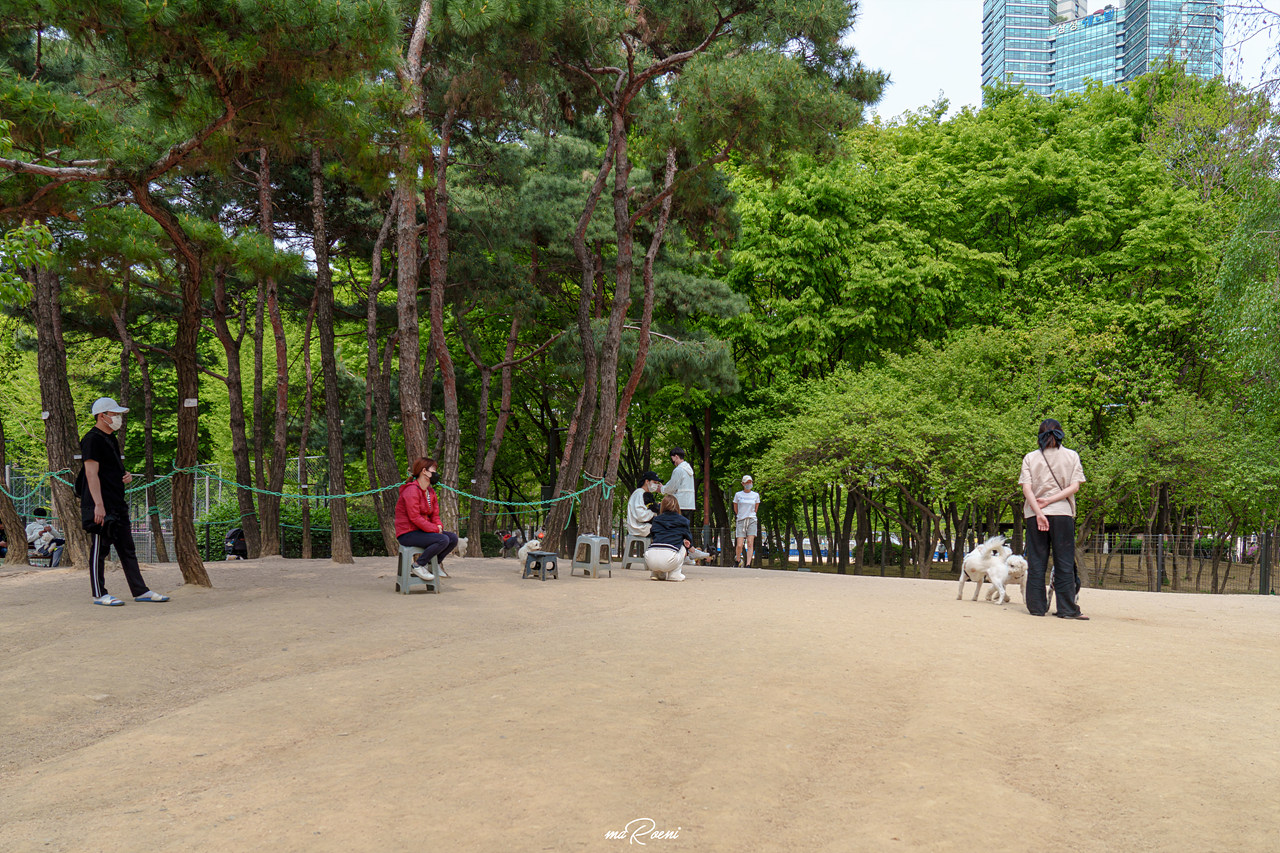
(418, 519)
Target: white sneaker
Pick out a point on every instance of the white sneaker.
(677, 575)
(698, 554)
(422, 572)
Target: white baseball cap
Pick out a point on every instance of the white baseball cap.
(106, 404)
(746, 478)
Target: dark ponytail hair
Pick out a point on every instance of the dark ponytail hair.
(1051, 434)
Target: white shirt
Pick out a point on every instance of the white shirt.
(1049, 472)
(746, 502)
(34, 530)
(638, 515)
(681, 485)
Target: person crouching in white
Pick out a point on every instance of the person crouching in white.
(640, 509)
(671, 540)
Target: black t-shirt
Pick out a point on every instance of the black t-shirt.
(105, 450)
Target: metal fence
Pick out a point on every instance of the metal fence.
(1184, 563)
(208, 491)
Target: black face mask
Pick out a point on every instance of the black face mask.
(435, 478)
(1056, 434)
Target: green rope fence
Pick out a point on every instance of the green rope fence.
(592, 482)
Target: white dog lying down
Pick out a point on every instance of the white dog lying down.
(1012, 572)
(979, 562)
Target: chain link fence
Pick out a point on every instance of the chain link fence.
(33, 492)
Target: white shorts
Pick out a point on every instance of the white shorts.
(658, 558)
(745, 527)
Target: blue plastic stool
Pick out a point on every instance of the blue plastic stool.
(538, 563)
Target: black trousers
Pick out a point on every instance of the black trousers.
(121, 536)
(432, 544)
(1060, 538)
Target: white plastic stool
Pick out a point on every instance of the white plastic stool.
(632, 555)
(406, 581)
(598, 557)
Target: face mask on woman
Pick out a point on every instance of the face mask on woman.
(435, 478)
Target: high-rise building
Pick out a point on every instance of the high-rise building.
(1052, 46)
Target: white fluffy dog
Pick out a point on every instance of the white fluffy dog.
(979, 562)
(1012, 572)
(534, 544)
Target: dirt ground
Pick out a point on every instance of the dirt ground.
(303, 706)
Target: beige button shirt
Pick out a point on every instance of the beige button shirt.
(1065, 463)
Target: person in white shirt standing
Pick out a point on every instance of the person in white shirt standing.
(680, 487)
(681, 483)
(745, 504)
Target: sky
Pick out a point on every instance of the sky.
(932, 47)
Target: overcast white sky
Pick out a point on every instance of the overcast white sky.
(935, 46)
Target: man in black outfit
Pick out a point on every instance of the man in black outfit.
(103, 511)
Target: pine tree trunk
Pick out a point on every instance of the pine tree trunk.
(269, 504)
(438, 272)
(607, 415)
(339, 526)
(646, 320)
(190, 271)
(377, 434)
(304, 432)
(15, 531)
(235, 392)
(407, 234)
(584, 409)
(61, 441)
(476, 525)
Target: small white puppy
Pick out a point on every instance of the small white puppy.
(979, 562)
(534, 544)
(1011, 572)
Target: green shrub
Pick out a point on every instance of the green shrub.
(491, 545)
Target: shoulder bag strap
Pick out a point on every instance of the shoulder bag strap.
(1072, 499)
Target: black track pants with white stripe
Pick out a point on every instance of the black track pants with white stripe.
(122, 539)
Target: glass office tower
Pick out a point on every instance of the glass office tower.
(1090, 47)
(1014, 43)
(1052, 46)
(1189, 32)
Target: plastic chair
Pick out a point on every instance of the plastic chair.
(632, 555)
(598, 556)
(406, 581)
(538, 563)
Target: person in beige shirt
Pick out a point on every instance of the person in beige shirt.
(1050, 478)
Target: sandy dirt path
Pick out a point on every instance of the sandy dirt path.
(303, 706)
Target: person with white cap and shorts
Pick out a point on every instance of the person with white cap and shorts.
(745, 504)
(104, 513)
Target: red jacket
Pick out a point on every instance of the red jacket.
(417, 510)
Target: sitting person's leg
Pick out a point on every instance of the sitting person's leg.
(663, 562)
(438, 544)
